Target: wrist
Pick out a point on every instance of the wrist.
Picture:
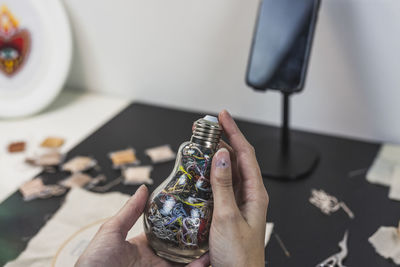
(260, 262)
(257, 259)
(251, 260)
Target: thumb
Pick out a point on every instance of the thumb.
(128, 215)
(221, 182)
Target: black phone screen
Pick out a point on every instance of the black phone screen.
(281, 45)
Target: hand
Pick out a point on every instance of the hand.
(109, 246)
(238, 223)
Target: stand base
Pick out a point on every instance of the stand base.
(299, 161)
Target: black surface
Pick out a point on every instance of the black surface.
(281, 45)
(296, 162)
(309, 235)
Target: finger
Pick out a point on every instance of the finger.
(237, 181)
(222, 143)
(253, 186)
(237, 140)
(140, 237)
(245, 152)
(203, 261)
(233, 157)
(221, 182)
(127, 216)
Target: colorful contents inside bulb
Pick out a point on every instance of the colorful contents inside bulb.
(180, 214)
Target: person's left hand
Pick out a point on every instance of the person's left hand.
(109, 246)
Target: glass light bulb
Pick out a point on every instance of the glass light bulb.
(178, 213)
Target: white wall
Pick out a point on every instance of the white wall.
(193, 54)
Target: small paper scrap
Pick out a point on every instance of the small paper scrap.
(36, 189)
(79, 164)
(52, 142)
(76, 180)
(268, 231)
(106, 187)
(16, 147)
(160, 154)
(137, 175)
(386, 242)
(123, 157)
(327, 203)
(385, 170)
(32, 188)
(394, 191)
(47, 157)
(95, 181)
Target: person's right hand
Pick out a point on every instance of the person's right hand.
(240, 202)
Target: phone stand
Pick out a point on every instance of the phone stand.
(278, 61)
(284, 158)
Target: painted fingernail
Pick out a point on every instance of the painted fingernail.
(222, 157)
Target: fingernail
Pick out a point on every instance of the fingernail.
(227, 113)
(222, 158)
(140, 188)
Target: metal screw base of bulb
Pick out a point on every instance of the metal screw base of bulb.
(206, 133)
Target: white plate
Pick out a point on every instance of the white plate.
(43, 27)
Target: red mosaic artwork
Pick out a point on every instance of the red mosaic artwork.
(14, 43)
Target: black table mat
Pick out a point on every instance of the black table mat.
(309, 235)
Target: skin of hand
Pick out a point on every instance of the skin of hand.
(109, 246)
(240, 202)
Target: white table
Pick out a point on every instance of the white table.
(73, 116)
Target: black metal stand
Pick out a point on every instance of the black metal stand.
(285, 159)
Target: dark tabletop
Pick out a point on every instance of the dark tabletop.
(309, 235)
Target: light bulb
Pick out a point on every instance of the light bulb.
(178, 213)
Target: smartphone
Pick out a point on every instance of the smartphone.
(281, 45)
